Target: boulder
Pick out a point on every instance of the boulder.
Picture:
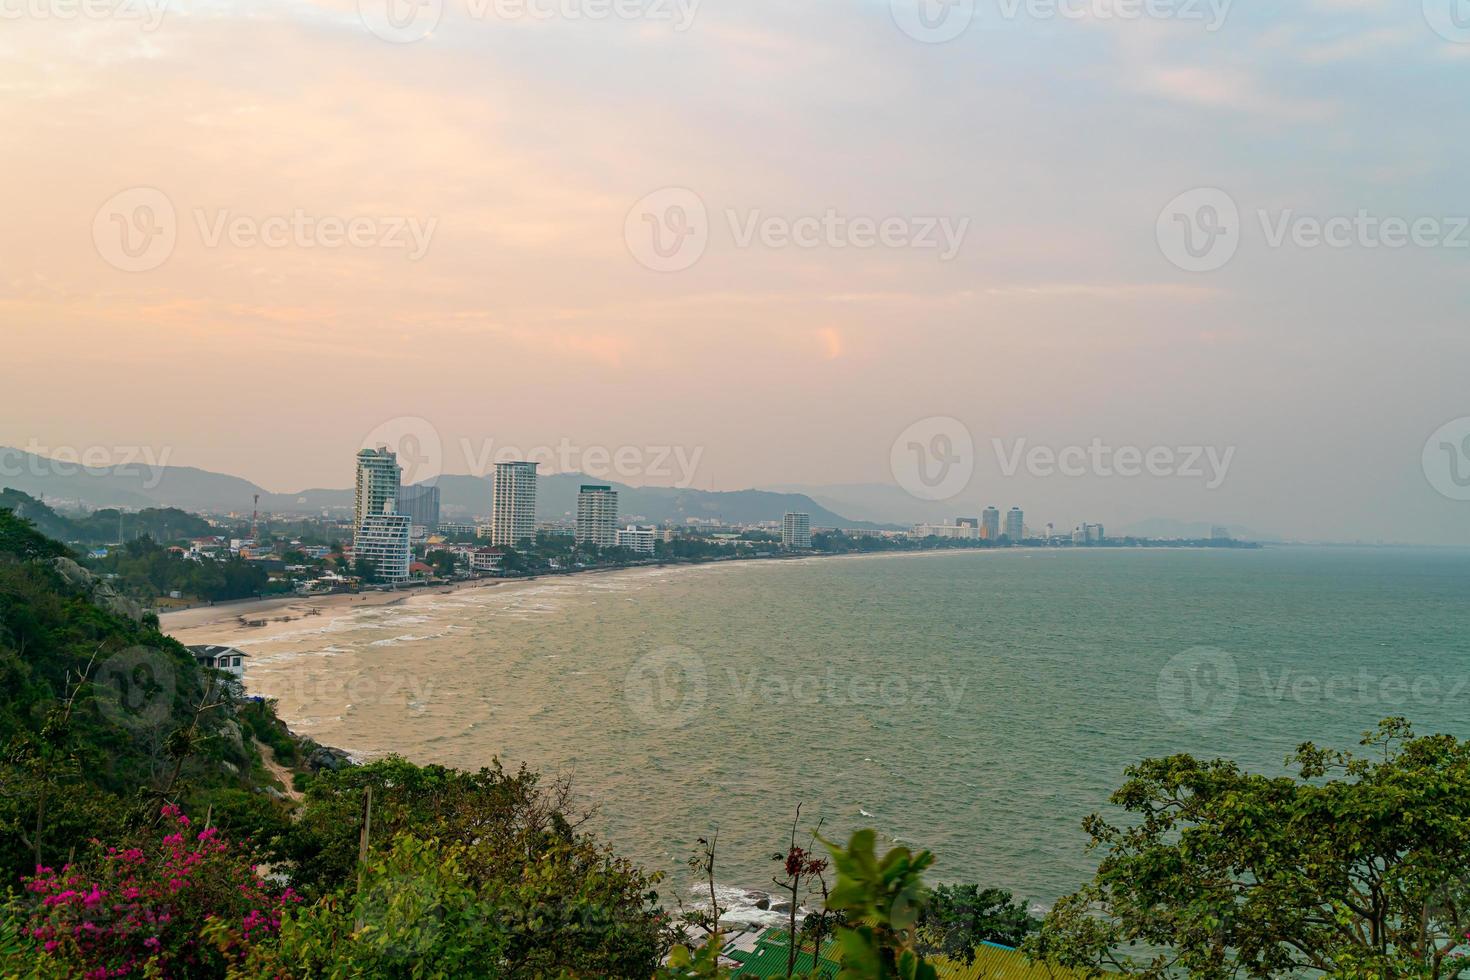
(98, 592)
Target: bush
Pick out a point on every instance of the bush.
(144, 909)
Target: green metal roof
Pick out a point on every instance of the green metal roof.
(992, 962)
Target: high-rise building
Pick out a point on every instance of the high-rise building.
(990, 523)
(384, 541)
(421, 504)
(377, 483)
(796, 531)
(597, 516)
(637, 539)
(513, 504)
(1015, 524)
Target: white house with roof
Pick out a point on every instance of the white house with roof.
(230, 660)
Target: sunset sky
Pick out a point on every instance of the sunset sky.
(519, 147)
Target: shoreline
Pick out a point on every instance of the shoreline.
(221, 623)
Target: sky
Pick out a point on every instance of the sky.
(803, 243)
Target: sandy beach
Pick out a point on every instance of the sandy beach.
(221, 623)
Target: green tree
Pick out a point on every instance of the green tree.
(1354, 868)
(957, 918)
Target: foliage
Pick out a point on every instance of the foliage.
(92, 707)
(562, 901)
(148, 569)
(142, 909)
(958, 918)
(1355, 868)
(882, 900)
(105, 526)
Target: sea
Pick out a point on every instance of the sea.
(979, 704)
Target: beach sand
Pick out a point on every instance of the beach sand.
(221, 623)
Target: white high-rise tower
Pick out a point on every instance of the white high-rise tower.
(513, 504)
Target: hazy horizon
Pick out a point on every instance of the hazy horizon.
(809, 245)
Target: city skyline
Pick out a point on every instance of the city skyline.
(801, 340)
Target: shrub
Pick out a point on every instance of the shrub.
(143, 909)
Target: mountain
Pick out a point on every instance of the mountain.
(135, 484)
(141, 485)
(883, 503)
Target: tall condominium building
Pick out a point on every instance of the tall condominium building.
(637, 539)
(421, 504)
(990, 523)
(597, 516)
(796, 531)
(377, 483)
(383, 540)
(513, 504)
(1015, 524)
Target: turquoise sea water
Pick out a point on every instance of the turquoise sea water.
(979, 704)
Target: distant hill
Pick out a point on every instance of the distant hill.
(106, 525)
(141, 486)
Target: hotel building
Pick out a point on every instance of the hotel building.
(796, 531)
(513, 504)
(597, 516)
